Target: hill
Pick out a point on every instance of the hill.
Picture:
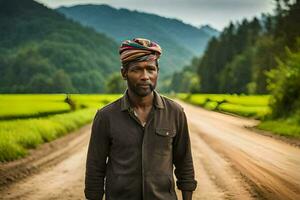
(42, 51)
(179, 41)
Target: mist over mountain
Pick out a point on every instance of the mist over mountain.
(42, 51)
(180, 41)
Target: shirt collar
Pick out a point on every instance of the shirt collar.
(125, 103)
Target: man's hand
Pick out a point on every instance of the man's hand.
(187, 195)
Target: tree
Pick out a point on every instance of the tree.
(49, 46)
(62, 83)
(186, 80)
(115, 84)
(284, 84)
(88, 82)
(40, 83)
(237, 74)
(226, 64)
(288, 21)
(265, 52)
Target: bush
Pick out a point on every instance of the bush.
(284, 84)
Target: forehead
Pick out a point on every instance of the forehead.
(142, 63)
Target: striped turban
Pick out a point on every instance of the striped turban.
(139, 49)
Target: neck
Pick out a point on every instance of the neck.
(140, 102)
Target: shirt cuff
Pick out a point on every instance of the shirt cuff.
(187, 185)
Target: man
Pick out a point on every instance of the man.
(136, 140)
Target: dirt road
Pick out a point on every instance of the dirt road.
(231, 162)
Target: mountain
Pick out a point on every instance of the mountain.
(180, 41)
(210, 30)
(43, 51)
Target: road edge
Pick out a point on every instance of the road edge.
(45, 155)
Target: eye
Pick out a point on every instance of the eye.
(134, 69)
(152, 69)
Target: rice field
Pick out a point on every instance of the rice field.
(27, 121)
(92, 100)
(38, 105)
(25, 106)
(255, 106)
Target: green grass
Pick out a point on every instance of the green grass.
(258, 112)
(16, 136)
(19, 135)
(289, 127)
(92, 100)
(33, 105)
(38, 105)
(255, 106)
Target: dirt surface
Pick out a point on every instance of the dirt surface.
(54, 171)
(231, 162)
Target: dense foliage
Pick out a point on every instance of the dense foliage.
(236, 61)
(259, 56)
(115, 84)
(284, 83)
(43, 52)
(183, 81)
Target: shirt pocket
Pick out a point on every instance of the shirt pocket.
(164, 132)
(164, 140)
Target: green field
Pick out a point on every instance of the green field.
(27, 121)
(25, 106)
(30, 120)
(255, 106)
(93, 100)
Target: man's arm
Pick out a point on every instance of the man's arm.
(96, 159)
(187, 195)
(184, 169)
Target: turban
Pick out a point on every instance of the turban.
(139, 49)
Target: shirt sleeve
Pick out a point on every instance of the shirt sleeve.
(183, 161)
(96, 159)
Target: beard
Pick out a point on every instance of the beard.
(141, 90)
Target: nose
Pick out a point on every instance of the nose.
(145, 75)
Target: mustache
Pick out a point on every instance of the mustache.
(142, 84)
(152, 87)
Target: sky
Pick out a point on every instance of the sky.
(217, 13)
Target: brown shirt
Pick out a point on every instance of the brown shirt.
(129, 161)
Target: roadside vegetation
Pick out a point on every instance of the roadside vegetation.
(259, 107)
(284, 84)
(252, 57)
(24, 124)
(255, 106)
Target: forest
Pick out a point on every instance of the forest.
(258, 56)
(43, 52)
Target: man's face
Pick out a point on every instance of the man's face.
(141, 77)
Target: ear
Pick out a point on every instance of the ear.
(124, 73)
(157, 66)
